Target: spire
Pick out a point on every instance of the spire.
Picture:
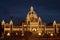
(11, 22)
(39, 19)
(3, 22)
(31, 9)
(54, 22)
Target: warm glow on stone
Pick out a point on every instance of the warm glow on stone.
(16, 33)
(22, 34)
(33, 23)
(25, 25)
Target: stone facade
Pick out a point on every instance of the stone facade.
(33, 24)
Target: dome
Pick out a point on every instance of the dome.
(31, 14)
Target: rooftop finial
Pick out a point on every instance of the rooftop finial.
(31, 9)
(54, 22)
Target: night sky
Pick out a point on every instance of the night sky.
(48, 10)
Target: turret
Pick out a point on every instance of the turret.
(39, 19)
(3, 22)
(11, 26)
(55, 26)
(11, 22)
(54, 23)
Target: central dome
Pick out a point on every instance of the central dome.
(32, 16)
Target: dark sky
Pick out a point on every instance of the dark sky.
(48, 10)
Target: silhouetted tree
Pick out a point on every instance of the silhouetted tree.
(1, 30)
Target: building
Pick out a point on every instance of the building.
(33, 23)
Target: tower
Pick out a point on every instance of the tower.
(39, 20)
(11, 26)
(3, 26)
(3, 23)
(11, 22)
(55, 26)
(54, 23)
(33, 20)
